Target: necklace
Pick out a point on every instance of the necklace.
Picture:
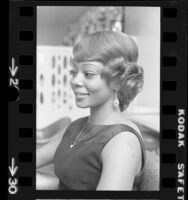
(75, 141)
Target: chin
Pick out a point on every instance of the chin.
(79, 105)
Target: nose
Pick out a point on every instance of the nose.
(77, 80)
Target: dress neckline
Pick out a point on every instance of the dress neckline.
(90, 124)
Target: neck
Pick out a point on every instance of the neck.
(104, 114)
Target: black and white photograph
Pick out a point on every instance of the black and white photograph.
(98, 98)
(95, 199)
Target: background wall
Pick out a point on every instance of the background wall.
(144, 23)
(53, 21)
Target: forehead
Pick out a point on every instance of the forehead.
(88, 64)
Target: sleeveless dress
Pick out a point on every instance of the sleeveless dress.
(80, 167)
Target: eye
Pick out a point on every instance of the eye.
(89, 74)
(73, 73)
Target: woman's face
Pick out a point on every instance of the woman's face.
(89, 89)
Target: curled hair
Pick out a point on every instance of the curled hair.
(119, 54)
(103, 46)
(128, 75)
(130, 78)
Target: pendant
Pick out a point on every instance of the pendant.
(71, 146)
(116, 101)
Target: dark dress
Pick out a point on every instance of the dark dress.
(80, 167)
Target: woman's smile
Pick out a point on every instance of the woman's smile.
(80, 95)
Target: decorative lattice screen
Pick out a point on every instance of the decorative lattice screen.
(55, 98)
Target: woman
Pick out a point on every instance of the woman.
(103, 151)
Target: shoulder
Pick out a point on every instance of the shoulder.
(122, 143)
(124, 140)
(133, 126)
(123, 152)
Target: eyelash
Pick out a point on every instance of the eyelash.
(86, 74)
(89, 75)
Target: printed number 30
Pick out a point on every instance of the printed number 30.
(13, 189)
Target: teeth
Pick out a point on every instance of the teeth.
(81, 94)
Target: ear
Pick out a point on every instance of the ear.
(115, 85)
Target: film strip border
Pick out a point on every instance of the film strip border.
(173, 102)
(22, 104)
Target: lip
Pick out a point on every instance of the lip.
(81, 95)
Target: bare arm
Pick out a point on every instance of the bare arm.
(45, 154)
(45, 181)
(121, 159)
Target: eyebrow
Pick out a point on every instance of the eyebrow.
(96, 67)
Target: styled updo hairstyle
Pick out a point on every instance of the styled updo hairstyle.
(119, 54)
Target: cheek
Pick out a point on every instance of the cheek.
(70, 83)
(99, 89)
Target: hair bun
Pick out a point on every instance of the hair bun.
(133, 73)
(132, 83)
(128, 75)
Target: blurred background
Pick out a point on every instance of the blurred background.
(58, 28)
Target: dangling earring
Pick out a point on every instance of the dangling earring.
(116, 100)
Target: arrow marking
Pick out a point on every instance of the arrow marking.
(13, 169)
(13, 69)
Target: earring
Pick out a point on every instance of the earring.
(116, 100)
